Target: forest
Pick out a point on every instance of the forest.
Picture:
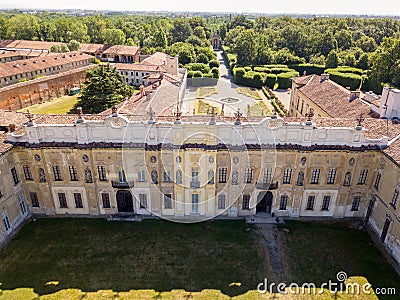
(357, 52)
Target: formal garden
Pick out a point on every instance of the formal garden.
(66, 258)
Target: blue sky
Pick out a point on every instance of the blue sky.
(382, 7)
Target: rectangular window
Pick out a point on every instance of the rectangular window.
(121, 176)
(167, 176)
(22, 204)
(143, 200)
(248, 175)
(363, 176)
(246, 202)
(141, 176)
(73, 173)
(315, 176)
(267, 175)
(287, 176)
(34, 199)
(102, 173)
(105, 197)
(15, 176)
(310, 203)
(331, 176)
(377, 180)
(78, 200)
(283, 203)
(221, 201)
(167, 201)
(395, 198)
(63, 200)
(27, 173)
(356, 203)
(222, 175)
(6, 222)
(57, 173)
(325, 202)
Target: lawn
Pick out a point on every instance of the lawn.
(60, 105)
(316, 252)
(154, 259)
(93, 254)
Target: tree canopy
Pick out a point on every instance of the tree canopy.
(104, 87)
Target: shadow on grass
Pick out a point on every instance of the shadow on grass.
(92, 254)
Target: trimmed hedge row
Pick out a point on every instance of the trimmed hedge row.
(345, 69)
(278, 108)
(309, 69)
(283, 79)
(347, 80)
(214, 73)
(246, 77)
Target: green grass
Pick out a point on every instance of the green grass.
(60, 105)
(93, 254)
(155, 259)
(316, 252)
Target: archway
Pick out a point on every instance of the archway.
(124, 201)
(264, 203)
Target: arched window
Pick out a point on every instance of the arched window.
(42, 175)
(154, 176)
(347, 179)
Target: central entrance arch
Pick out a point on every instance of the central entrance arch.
(124, 201)
(264, 203)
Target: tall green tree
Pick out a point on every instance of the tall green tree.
(104, 87)
(332, 61)
(246, 47)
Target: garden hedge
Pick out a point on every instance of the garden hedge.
(347, 80)
(309, 69)
(284, 81)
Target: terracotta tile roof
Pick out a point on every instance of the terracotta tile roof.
(91, 48)
(376, 128)
(376, 102)
(4, 147)
(158, 58)
(139, 67)
(8, 117)
(17, 53)
(35, 64)
(393, 151)
(121, 50)
(331, 97)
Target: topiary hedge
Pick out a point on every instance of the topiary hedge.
(284, 81)
(309, 69)
(345, 69)
(270, 80)
(281, 70)
(213, 63)
(347, 80)
(262, 69)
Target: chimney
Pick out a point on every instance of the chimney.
(324, 77)
(354, 95)
(11, 127)
(172, 65)
(141, 90)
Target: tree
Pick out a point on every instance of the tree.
(23, 27)
(199, 32)
(181, 30)
(362, 62)
(104, 87)
(246, 48)
(184, 51)
(332, 61)
(74, 45)
(385, 62)
(114, 36)
(55, 48)
(64, 48)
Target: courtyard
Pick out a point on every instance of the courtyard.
(67, 258)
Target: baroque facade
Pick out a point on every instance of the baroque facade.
(193, 168)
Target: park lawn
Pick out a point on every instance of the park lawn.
(317, 251)
(61, 105)
(92, 254)
(66, 258)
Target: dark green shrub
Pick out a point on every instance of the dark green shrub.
(238, 74)
(309, 69)
(262, 69)
(270, 80)
(347, 80)
(284, 81)
(215, 72)
(197, 74)
(203, 68)
(213, 64)
(280, 70)
(247, 68)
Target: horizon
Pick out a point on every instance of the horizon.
(285, 7)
